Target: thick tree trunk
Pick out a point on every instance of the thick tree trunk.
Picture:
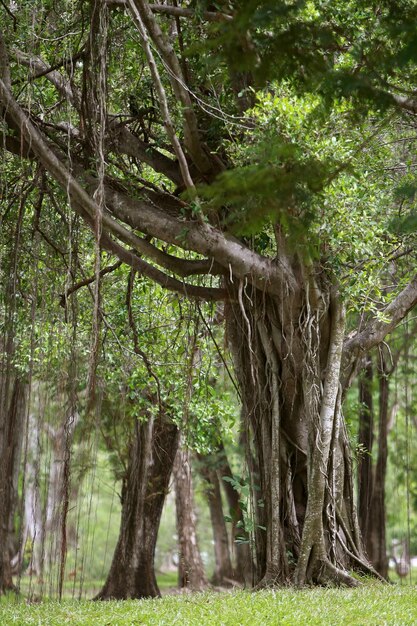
(12, 420)
(153, 451)
(288, 364)
(223, 571)
(191, 573)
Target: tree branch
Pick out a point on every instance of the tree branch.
(58, 170)
(86, 206)
(182, 267)
(191, 135)
(380, 327)
(50, 68)
(204, 239)
(163, 102)
(124, 142)
(59, 82)
(4, 63)
(210, 294)
(210, 16)
(197, 236)
(87, 281)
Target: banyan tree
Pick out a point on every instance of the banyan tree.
(132, 110)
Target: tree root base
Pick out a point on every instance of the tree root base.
(330, 575)
(104, 597)
(9, 589)
(271, 581)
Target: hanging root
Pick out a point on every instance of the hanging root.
(354, 553)
(364, 565)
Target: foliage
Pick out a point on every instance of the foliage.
(247, 524)
(321, 155)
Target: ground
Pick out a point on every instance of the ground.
(372, 604)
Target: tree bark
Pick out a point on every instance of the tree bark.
(54, 534)
(191, 573)
(375, 537)
(12, 420)
(223, 571)
(132, 573)
(288, 364)
(365, 442)
(33, 527)
(242, 571)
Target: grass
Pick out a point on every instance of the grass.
(372, 604)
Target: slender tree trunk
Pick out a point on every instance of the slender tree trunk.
(132, 573)
(191, 573)
(12, 421)
(365, 442)
(375, 538)
(371, 479)
(244, 566)
(54, 535)
(33, 524)
(223, 571)
(288, 356)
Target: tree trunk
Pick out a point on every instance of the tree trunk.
(243, 569)
(288, 363)
(223, 571)
(371, 480)
(33, 530)
(375, 538)
(191, 573)
(54, 536)
(153, 451)
(12, 421)
(365, 443)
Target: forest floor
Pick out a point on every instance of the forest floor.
(371, 604)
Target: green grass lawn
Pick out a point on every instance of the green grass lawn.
(372, 604)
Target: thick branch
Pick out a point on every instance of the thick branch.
(204, 239)
(387, 321)
(209, 294)
(182, 267)
(124, 142)
(197, 236)
(209, 16)
(84, 204)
